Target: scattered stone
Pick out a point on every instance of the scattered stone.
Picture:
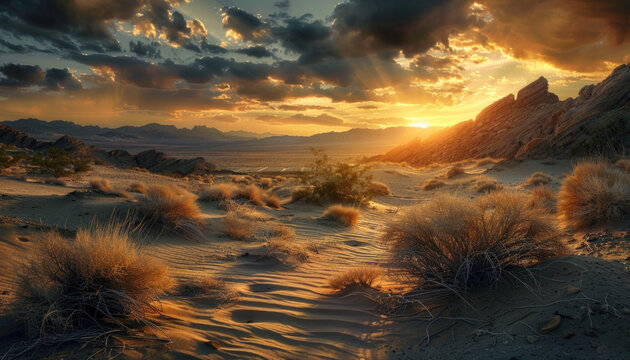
(214, 344)
(572, 290)
(568, 334)
(590, 333)
(625, 310)
(551, 324)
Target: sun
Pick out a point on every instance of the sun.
(420, 124)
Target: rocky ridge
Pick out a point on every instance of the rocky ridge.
(534, 124)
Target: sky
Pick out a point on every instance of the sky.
(296, 67)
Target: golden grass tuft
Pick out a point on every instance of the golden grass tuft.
(454, 171)
(365, 277)
(432, 184)
(538, 178)
(200, 286)
(595, 193)
(221, 191)
(237, 227)
(486, 185)
(464, 244)
(171, 208)
(138, 188)
(102, 185)
(252, 193)
(378, 189)
(265, 182)
(99, 280)
(624, 164)
(300, 193)
(343, 215)
(541, 197)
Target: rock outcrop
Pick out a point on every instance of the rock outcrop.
(535, 124)
(152, 160)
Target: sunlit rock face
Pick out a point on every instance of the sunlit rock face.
(534, 124)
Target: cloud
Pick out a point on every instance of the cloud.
(19, 76)
(255, 51)
(150, 50)
(304, 107)
(301, 119)
(282, 5)
(243, 25)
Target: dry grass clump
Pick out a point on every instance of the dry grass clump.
(99, 280)
(461, 244)
(280, 178)
(300, 193)
(54, 181)
(265, 182)
(138, 188)
(200, 286)
(236, 227)
(343, 215)
(431, 184)
(287, 246)
(221, 191)
(242, 179)
(595, 193)
(486, 185)
(102, 185)
(541, 197)
(243, 222)
(364, 277)
(454, 171)
(624, 164)
(538, 178)
(171, 208)
(378, 189)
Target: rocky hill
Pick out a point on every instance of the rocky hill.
(152, 160)
(534, 124)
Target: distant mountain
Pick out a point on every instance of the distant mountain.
(534, 124)
(149, 132)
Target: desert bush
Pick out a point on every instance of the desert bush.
(54, 181)
(595, 193)
(541, 197)
(170, 208)
(102, 185)
(280, 178)
(453, 171)
(200, 286)
(431, 184)
(220, 191)
(337, 182)
(276, 246)
(252, 193)
(242, 179)
(538, 178)
(138, 188)
(265, 182)
(463, 244)
(58, 163)
(300, 193)
(378, 189)
(624, 164)
(238, 228)
(486, 185)
(364, 276)
(99, 280)
(343, 215)
(7, 161)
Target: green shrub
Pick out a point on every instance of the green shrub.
(337, 182)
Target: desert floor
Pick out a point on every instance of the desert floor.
(283, 308)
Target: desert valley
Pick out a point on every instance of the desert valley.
(272, 233)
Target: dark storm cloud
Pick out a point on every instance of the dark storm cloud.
(246, 25)
(255, 51)
(58, 79)
(150, 50)
(282, 5)
(213, 49)
(311, 39)
(19, 76)
(250, 71)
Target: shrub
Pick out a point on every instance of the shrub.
(280, 178)
(171, 208)
(454, 171)
(378, 189)
(266, 182)
(337, 182)
(86, 283)
(300, 193)
(6, 160)
(138, 188)
(344, 215)
(364, 276)
(623, 164)
(463, 244)
(486, 185)
(221, 191)
(431, 184)
(541, 197)
(102, 185)
(237, 227)
(54, 161)
(276, 246)
(200, 286)
(595, 193)
(538, 178)
(81, 165)
(252, 193)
